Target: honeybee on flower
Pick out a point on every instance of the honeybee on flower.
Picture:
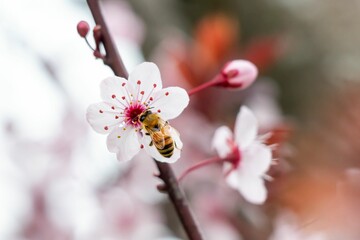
(125, 110)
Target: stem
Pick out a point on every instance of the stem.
(201, 164)
(176, 196)
(89, 45)
(213, 82)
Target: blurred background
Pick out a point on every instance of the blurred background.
(58, 181)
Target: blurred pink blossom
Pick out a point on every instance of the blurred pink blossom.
(253, 158)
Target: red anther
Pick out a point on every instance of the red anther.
(142, 92)
(82, 28)
(106, 128)
(154, 85)
(101, 111)
(167, 94)
(113, 96)
(138, 82)
(123, 84)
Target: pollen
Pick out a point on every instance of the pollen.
(118, 136)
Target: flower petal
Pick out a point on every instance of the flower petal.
(256, 159)
(221, 141)
(170, 102)
(153, 152)
(149, 76)
(124, 142)
(251, 188)
(116, 90)
(246, 127)
(102, 118)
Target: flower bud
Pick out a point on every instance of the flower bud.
(239, 74)
(83, 28)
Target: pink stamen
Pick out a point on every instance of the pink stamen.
(149, 96)
(128, 94)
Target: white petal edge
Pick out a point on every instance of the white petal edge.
(221, 141)
(154, 153)
(99, 121)
(256, 159)
(170, 102)
(148, 73)
(124, 142)
(118, 87)
(246, 127)
(251, 188)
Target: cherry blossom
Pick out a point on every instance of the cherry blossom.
(250, 158)
(125, 100)
(239, 74)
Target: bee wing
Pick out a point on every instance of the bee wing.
(158, 139)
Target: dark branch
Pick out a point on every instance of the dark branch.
(113, 60)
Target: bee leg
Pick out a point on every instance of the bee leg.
(151, 143)
(176, 146)
(148, 134)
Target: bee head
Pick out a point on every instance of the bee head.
(144, 115)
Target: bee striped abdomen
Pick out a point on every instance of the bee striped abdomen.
(168, 149)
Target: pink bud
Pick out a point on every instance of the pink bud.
(83, 28)
(239, 74)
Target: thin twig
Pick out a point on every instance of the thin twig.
(113, 60)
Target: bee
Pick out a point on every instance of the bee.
(159, 132)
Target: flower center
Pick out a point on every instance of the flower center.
(132, 114)
(235, 154)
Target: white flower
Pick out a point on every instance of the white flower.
(125, 100)
(251, 158)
